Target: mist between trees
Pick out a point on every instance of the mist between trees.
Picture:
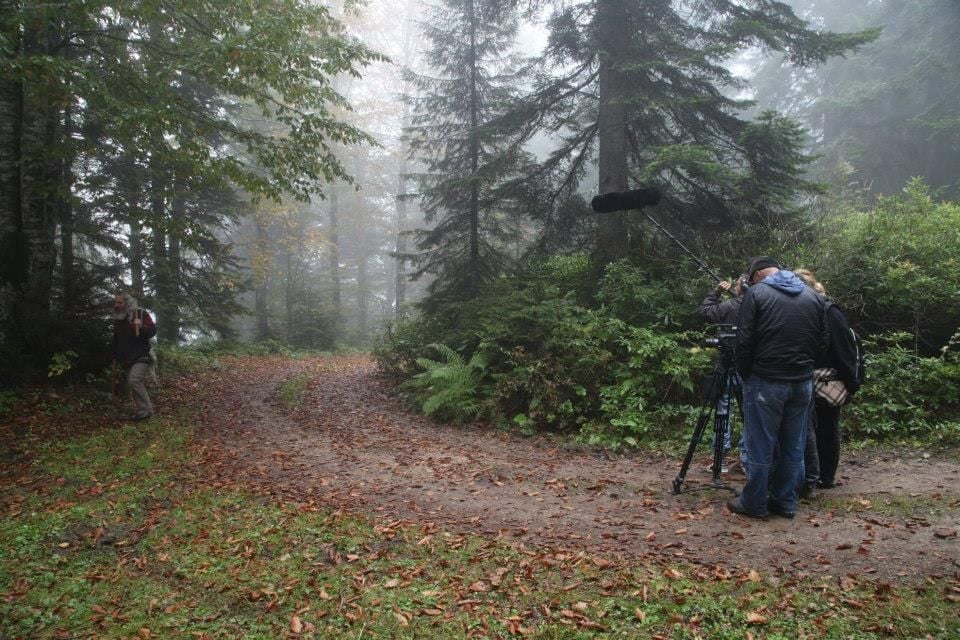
(322, 175)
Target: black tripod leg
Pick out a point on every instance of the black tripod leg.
(709, 409)
(721, 423)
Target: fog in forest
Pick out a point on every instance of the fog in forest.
(456, 141)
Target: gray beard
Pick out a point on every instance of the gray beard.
(122, 315)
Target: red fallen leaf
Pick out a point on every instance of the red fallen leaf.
(841, 547)
(433, 612)
(673, 574)
(296, 626)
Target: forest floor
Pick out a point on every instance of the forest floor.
(328, 431)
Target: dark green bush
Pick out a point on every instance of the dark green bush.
(907, 396)
(555, 364)
(897, 266)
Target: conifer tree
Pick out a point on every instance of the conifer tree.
(642, 86)
(468, 161)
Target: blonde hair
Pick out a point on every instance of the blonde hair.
(811, 280)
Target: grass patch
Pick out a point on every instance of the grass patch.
(292, 389)
(114, 535)
(916, 505)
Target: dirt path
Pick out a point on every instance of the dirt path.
(349, 444)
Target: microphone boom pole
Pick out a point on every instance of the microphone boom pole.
(700, 263)
(637, 199)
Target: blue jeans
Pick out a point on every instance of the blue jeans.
(775, 416)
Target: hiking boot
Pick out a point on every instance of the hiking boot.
(735, 507)
(772, 508)
(808, 491)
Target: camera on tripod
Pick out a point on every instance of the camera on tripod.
(725, 339)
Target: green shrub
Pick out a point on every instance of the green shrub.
(906, 396)
(897, 267)
(449, 389)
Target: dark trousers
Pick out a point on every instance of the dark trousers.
(811, 452)
(828, 441)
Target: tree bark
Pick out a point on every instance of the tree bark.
(170, 329)
(362, 297)
(400, 277)
(12, 257)
(261, 279)
(333, 235)
(38, 172)
(159, 275)
(474, 268)
(613, 38)
(65, 214)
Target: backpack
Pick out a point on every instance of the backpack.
(855, 343)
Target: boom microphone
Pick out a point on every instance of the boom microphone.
(623, 200)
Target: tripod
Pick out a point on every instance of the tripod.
(725, 387)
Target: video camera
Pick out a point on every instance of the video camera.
(725, 338)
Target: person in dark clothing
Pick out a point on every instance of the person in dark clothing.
(717, 311)
(823, 442)
(779, 334)
(132, 330)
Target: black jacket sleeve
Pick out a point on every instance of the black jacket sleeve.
(715, 311)
(746, 332)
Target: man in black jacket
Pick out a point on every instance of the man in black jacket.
(779, 334)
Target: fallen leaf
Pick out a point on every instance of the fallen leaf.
(756, 618)
(640, 615)
(296, 626)
(392, 584)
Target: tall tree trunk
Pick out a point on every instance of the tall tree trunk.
(170, 330)
(261, 280)
(159, 273)
(474, 268)
(409, 48)
(333, 235)
(65, 211)
(13, 271)
(136, 257)
(38, 173)
(613, 37)
(362, 297)
(288, 293)
(400, 277)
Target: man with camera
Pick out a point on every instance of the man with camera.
(779, 334)
(721, 312)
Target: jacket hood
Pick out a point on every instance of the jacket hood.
(786, 281)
